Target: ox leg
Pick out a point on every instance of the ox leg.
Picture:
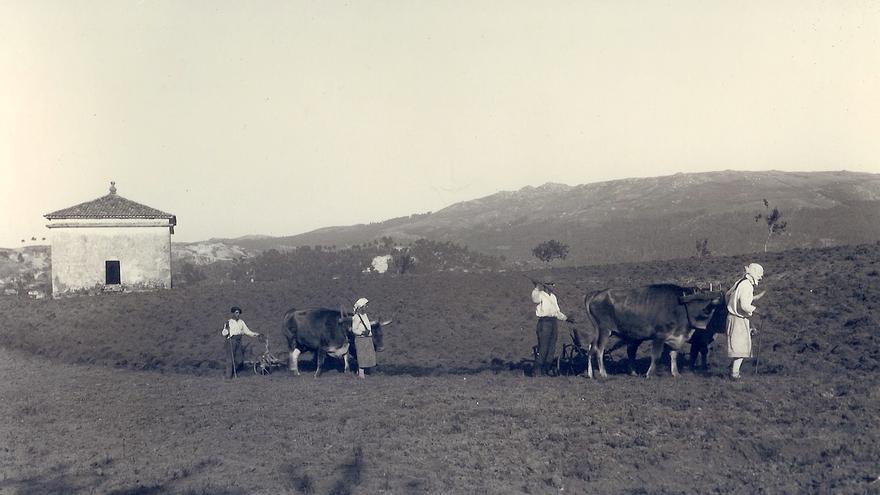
(656, 352)
(590, 352)
(345, 366)
(601, 342)
(631, 350)
(704, 352)
(293, 362)
(600, 362)
(673, 360)
(320, 362)
(692, 358)
(699, 352)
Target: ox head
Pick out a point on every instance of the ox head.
(378, 338)
(345, 318)
(701, 307)
(583, 338)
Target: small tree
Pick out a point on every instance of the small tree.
(547, 251)
(703, 248)
(773, 219)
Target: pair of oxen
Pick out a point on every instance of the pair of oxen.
(666, 315)
(324, 332)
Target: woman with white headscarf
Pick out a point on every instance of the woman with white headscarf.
(740, 306)
(363, 337)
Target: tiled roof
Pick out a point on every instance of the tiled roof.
(109, 206)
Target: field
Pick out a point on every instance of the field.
(123, 393)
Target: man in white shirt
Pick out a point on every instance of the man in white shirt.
(233, 329)
(548, 314)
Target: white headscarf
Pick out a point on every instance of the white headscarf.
(360, 303)
(756, 271)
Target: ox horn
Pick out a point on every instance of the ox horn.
(341, 313)
(388, 322)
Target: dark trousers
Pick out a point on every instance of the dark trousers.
(234, 355)
(546, 333)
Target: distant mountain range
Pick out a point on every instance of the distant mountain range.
(627, 220)
(635, 219)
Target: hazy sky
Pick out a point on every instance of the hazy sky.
(281, 117)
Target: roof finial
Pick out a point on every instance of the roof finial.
(112, 187)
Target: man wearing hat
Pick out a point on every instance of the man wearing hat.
(740, 307)
(233, 329)
(548, 314)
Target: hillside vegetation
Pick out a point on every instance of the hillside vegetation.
(29, 269)
(24, 269)
(639, 219)
(631, 220)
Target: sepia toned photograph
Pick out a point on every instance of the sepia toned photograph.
(390, 247)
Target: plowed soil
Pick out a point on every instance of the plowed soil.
(124, 394)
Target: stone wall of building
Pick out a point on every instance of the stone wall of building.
(80, 253)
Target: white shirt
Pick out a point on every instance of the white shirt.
(739, 303)
(235, 327)
(547, 305)
(360, 326)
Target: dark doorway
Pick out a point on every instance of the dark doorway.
(112, 269)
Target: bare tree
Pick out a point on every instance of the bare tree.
(773, 219)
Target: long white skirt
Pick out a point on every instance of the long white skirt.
(739, 338)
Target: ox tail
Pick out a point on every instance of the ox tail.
(593, 320)
(587, 299)
(600, 341)
(289, 329)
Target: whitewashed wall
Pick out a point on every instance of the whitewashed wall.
(80, 249)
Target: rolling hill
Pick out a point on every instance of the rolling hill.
(629, 220)
(638, 219)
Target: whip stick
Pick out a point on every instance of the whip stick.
(232, 357)
(756, 343)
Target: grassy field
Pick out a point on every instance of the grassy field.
(123, 393)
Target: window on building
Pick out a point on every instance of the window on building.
(112, 271)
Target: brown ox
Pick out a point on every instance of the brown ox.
(665, 314)
(326, 332)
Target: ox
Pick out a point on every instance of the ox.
(703, 338)
(665, 314)
(325, 332)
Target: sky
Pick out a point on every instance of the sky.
(280, 117)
